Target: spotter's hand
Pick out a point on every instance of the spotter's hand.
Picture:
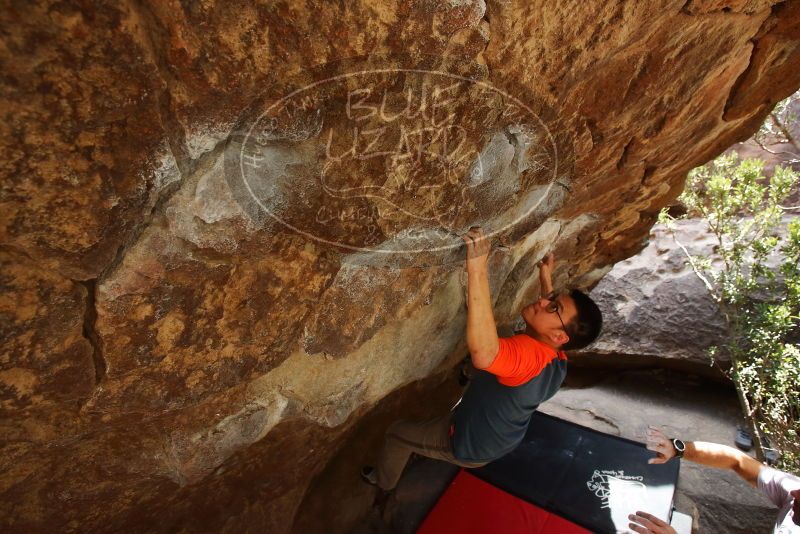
(645, 523)
(660, 444)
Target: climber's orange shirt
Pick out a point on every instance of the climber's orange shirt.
(521, 358)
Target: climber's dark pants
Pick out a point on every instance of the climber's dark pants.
(429, 438)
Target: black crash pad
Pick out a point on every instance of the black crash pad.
(590, 478)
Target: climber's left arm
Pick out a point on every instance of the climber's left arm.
(482, 339)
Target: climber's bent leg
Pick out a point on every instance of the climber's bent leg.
(430, 438)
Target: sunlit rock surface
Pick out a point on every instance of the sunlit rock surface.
(229, 230)
(657, 311)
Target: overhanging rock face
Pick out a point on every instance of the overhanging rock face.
(230, 229)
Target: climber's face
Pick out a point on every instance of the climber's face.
(546, 318)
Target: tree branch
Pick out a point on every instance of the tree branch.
(785, 131)
(696, 269)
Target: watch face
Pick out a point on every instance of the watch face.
(679, 445)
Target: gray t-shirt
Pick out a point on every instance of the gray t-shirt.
(776, 485)
(493, 416)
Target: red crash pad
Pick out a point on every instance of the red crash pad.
(472, 506)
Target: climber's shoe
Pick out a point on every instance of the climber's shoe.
(369, 475)
(743, 440)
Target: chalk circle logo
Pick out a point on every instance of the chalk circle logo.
(394, 161)
(609, 484)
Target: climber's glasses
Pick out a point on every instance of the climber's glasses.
(552, 306)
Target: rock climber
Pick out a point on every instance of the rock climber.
(514, 374)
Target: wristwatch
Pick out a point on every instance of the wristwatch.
(679, 446)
